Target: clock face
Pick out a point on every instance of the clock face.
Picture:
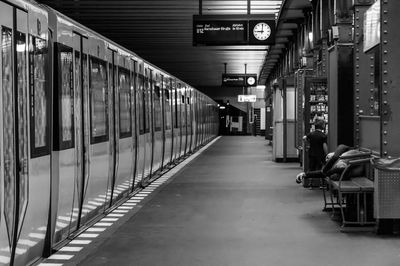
(261, 31)
(251, 81)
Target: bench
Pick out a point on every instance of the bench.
(352, 194)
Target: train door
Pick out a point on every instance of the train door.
(89, 185)
(135, 123)
(93, 118)
(113, 124)
(167, 116)
(189, 120)
(182, 118)
(174, 119)
(158, 132)
(141, 99)
(121, 143)
(194, 120)
(148, 132)
(20, 214)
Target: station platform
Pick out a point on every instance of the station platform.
(230, 205)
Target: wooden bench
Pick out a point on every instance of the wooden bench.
(356, 188)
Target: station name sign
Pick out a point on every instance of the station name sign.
(239, 80)
(247, 98)
(233, 30)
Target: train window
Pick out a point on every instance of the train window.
(157, 108)
(167, 109)
(183, 99)
(125, 118)
(141, 104)
(98, 100)
(65, 133)
(188, 100)
(39, 111)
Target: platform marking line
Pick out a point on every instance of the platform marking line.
(91, 202)
(27, 242)
(85, 235)
(114, 215)
(37, 235)
(120, 211)
(124, 208)
(143, 194)
(61, 224)
(103, 224)
(99, 200)
(79, 242)
(49, 264)
(133, 201)
(60, 257)
(64, 218)
(70, 249)
(18, 251)
(109, 219)
(129, 204)
(4, 259)
(95, 229)
(138, 198)
(90, 207)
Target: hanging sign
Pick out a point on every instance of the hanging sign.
(247, 98)
(239, 80)
(219, 32)
(233, 30)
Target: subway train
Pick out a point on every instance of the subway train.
(84, 124)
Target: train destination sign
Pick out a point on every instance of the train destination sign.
(220, 32)
(239, 80)
(233, 30)
(247, 98)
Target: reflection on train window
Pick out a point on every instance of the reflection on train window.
(65, 94)
(98, 100)
(39, 97)
(157, 108)
(141, 102)
(167, 108)
(8, 115)
(125, 119)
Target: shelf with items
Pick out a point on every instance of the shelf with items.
(316, 102)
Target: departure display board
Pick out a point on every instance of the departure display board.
(239, 80)
(219, 32)
(233, 30)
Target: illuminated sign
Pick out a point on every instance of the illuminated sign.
(219, 32)
(239, 80)
(247, 98)
(233, 30)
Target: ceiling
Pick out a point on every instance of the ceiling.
(161, 32)
(291, 12)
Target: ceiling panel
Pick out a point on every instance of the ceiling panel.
(161, 32)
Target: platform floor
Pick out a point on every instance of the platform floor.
(233, 205)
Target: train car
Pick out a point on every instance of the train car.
(84, 123)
